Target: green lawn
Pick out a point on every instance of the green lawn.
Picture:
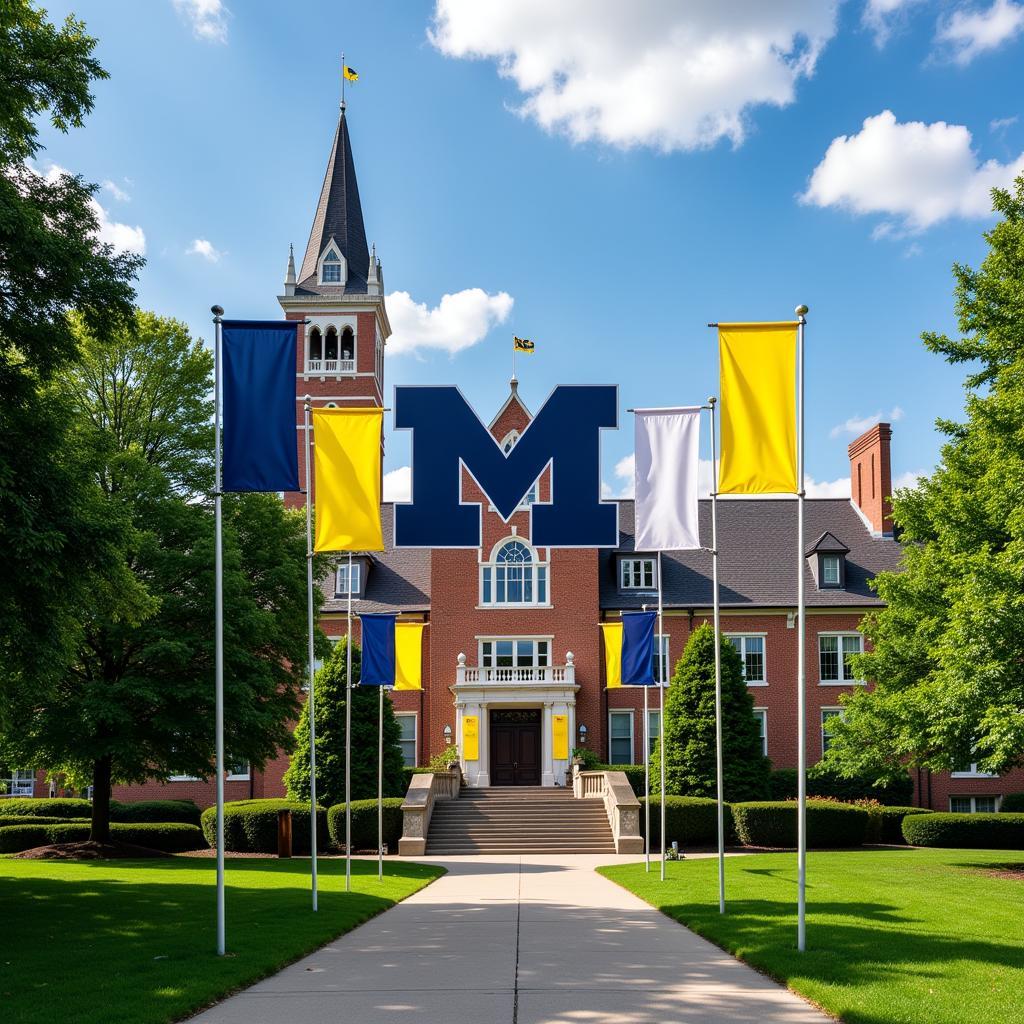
(893, 936)
(134, 941)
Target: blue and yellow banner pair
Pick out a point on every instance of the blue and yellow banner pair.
(392, 652)
(629, 650)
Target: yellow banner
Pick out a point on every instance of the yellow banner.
(560, 737)
(470, 738)
(347, 448)
(758, 408)
(409, 655)
(612, 633)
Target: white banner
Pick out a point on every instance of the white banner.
(667, 457)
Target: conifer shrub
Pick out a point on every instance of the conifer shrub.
(250, 826)
(772, 823)
(364, 824)
(966, 831)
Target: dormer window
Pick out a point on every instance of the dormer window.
(330, 271)
(346, 583)
(830, 571)
(827, 560)
(637, 574)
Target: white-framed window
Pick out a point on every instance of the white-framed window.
(828, 716)
(830, 575)
(18, 782)
(653, 730)
(331, 349)
(183, 778)
(515, 652)
(834, 653)
(513, 576)
(750, 648)
(343, 584)
(407, 738)
(637, 574)
(238, 770)
(974, 804)
(761, 714)
(620, 737)
(507, 444)
(970, 771)
(332, 266)
(662, 665)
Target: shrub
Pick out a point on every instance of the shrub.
(634, 774)
(782, 783)
(827, 782)
(35, 819)
(250, 826)
(364, 824)
(885, 824)
(58, 807)
(966, 831)
(689, 821)
(156, 811)
(171, 837)
(591, 762)
(1012, 802)
(772, 823)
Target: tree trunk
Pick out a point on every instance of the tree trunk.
(100, 828)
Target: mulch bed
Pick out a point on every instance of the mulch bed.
(1015, 872)
(89, 850)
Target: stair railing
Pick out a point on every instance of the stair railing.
(418, 807)
(620, 804)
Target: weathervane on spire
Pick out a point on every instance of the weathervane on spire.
(347, 74)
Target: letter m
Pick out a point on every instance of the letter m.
(448, 435)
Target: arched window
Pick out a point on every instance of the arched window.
(316, 349)
(331, 350)
(330, 269)
(348, 348)
(514, 575)
(507, 445)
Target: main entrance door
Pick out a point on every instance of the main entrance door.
(515, 747)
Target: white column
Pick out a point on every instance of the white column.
(483, 771)
(547, 750)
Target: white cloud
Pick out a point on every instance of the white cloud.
(839, 488)
(856, 425)
(116, 191)
(920, 173)
(908, 479)
(398, 484)
(653, 73)
(208, 18)
(883, 17)
(1000, 124)
(203, 247)
(967, 34)
(457, 322)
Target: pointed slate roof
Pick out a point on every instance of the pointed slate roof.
(339, 215)
(828, 543)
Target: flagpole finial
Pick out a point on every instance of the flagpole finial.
(514, 385)
(217, 311)
(712, 400)
(802, 310)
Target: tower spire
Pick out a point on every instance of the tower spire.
(289, 277)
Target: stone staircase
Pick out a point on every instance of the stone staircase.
(519, 819)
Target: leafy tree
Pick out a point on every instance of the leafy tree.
(329, 691)
(138, 699)
(60, 547)
(948, 648)
(690, 726)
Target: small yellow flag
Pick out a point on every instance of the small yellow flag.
(348, 482)
(523, 345)
(758, 403)
(409, 655)
(470, 738)
(351, 74)
(560, 737)
(612, 633)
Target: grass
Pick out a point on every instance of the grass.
(894, 936)
(134, 941)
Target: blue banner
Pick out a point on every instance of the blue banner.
(260, 444)
(378, 663)
(638, 648)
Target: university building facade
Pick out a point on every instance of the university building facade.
(512, 633)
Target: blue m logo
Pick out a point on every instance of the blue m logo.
(447, 435)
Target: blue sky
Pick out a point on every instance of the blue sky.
(623, 173)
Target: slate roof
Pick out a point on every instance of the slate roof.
(757, 548)
(339, 215)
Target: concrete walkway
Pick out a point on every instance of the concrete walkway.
(518, 940)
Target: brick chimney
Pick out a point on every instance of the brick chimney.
(871, 477)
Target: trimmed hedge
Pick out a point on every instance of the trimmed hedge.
(171, 837)
(364, 824)
(827, 783)
(966, 831)
(156, 811)
(250, 826)
(885, 824)
(772, 823)
(689, 821)
(24, 819)
(634, 774)
(57, 807)
(1012, 802)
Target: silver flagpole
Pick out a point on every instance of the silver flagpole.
(380, 783)
(309, 658)
(718, 663)
(348, 737)
(218, 603)
(801, 672)
(647, 784)
(661, 724)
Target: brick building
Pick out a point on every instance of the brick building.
(512, 631)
